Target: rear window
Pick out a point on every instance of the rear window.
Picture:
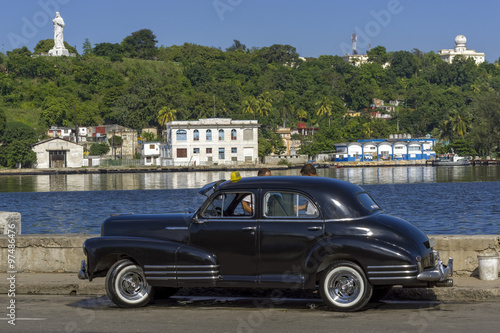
(368, 202)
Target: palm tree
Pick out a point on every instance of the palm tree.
(459, 124)
(166, 115)
(265, 103)
(445, 130)
(302, 115)
(324, 108)
(251, 105)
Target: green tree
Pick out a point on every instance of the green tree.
(485, 131)
(98, 149)
(16, 148)
(236, 46)
(140, 44)
(378, 54)
(403, 64)
(324, 108)
(166, 115)
(3, 122)
(113, 51)
(87, 48)
(250, 106)
(45, 45)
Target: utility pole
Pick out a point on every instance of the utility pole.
(76, 127)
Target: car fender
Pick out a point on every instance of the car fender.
(151, 254)
(365, 252)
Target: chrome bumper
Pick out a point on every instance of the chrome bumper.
(440, 274)
(83, 274)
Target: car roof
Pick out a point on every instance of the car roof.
(336, 198)
(306, 183)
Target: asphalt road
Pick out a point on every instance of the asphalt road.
(44, 313)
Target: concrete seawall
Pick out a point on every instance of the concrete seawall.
(62, 253)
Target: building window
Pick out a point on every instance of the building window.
(414, 148)
(248, 135)
(221, 135)
(196, 150)
(151, 146)
(234, 150)
(209, 135)
(196, 135)
(221, 154)
(182, 152)
(181, 135)
(209, 150)
(233, 134)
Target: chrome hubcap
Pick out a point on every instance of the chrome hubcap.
(344, 287)
(132, 285)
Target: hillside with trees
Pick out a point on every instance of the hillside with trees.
(131, 82)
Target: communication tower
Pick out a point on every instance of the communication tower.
(354, 38)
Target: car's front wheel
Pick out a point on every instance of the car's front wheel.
(344, 287)
(126, 285)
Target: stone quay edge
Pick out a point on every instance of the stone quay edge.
(48, 263)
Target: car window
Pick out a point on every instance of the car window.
(288, 204)
(230, 204)
(368, 202)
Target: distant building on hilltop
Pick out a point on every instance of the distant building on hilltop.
(461, 50)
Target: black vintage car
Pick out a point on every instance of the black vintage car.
(267, 232)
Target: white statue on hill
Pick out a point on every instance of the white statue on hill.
(59, 49)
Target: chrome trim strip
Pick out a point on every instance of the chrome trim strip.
(198, 278)
(176, 228)
(179, 266)
(393, 272)
(197, 272)
(392, 278)
(159, 278)
(391, 266)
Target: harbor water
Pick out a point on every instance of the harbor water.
(439, 200)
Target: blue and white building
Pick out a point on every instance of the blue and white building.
(393, 149)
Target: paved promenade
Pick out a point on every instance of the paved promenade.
(465, 288)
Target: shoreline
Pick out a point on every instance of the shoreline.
(153, 169)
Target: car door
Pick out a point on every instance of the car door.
(290, 225)
(229, 232)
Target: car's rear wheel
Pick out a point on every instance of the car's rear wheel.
(126, 285)
(344, 287)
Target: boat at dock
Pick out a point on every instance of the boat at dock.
(450, 160)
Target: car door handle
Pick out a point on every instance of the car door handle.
(249, 228)
(315, 228)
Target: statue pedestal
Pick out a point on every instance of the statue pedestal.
(58, 52)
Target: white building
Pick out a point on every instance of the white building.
(356, 59)
(402, 149)
(210, 141)
(58, 153)
(460, 50)
(150, 153)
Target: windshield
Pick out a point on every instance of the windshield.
(208, 189)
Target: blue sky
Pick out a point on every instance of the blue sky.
(314, 28)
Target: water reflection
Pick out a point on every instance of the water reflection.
(185, 180)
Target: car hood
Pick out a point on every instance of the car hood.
(156, 226)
